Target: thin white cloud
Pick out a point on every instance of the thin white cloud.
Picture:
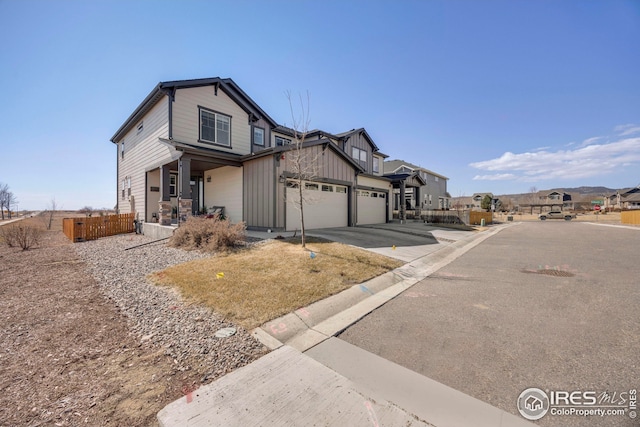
(581, 162)
(623, 130)
(630, 131)
(590, 141)
(495, 177)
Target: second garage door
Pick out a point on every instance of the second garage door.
(372, 207)
(326, 206)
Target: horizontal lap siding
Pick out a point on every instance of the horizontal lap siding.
(142, 150)
(186, 118)
(225, 189)
(259, 196)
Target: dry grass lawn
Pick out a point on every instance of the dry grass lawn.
(270, 279)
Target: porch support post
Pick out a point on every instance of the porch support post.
(165, 177)
(164, 211)
(402, 211)
(184, 178)
(417, 195)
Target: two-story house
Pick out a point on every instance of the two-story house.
(628, 198)
(195, 144)
(416, 188)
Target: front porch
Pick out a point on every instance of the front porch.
(194, 185)
(406, 195)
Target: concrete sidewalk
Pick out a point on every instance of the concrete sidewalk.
(349, 386)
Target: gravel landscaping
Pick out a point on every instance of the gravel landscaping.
(158, 315)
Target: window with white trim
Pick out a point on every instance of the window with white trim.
(341, 189)
(122, 149)
(215, 128)
(258, 136)
(376, 164)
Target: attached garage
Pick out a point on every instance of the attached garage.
(325, 206)
(372, 207)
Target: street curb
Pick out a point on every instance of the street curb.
(311, 325)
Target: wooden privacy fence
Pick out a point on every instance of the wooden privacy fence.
(630, 217)
(81, 229)
(475, 217)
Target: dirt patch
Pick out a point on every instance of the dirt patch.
(66, 354)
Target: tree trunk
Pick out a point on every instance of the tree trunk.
(302, 229)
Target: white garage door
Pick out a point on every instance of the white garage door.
(326, 206)
(372, 207)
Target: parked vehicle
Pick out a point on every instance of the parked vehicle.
(567, 216)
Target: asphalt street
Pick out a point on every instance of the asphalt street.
(552, 305)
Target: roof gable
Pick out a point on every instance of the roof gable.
(360, 131)
(168, 89)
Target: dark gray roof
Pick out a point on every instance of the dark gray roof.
(392, 165)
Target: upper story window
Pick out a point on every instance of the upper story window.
(358, 154)
(258, 136)
(376, 164)
(280, 141)
(122, 149)
(215, 128)
(436, 178)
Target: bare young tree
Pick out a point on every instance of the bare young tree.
(303, 164)
(4, 194)
(87, 210)
(48, 213)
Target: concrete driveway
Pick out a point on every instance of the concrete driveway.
(405, 242)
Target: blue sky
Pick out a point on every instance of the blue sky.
(498, 96)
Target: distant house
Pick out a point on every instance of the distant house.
(545, 201)
(477, 199)
(416, 188)
(559, 198)
(195, 145)
(628, 198)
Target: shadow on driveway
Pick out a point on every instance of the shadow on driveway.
(384, 235)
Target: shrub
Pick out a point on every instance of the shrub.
(22, 236)
(208, 234)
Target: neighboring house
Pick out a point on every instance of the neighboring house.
(416, 188)
(195, 144)
(477, 199)
(557, 198)
(628, 198)
(462, 203)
